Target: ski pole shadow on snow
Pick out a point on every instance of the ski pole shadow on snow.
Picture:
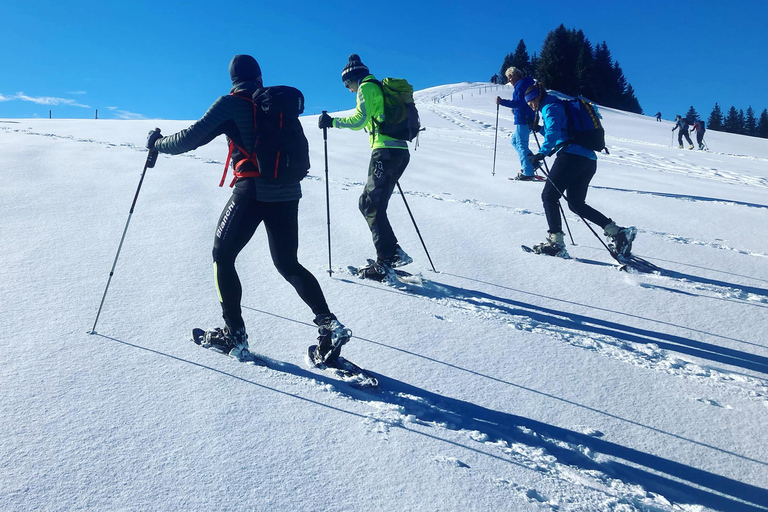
(427, 410)
(561, 322)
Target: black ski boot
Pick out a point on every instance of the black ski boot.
(234, 343)
(620, 238)
(332, 335)
(378, 271)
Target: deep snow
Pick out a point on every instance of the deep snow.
(508, 381)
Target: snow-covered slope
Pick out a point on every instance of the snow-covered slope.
(508, 381)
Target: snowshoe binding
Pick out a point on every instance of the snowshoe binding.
(554, 246)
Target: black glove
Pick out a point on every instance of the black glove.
(537, 159)
(325, 121)
(152, 138)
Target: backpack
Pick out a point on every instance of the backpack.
(584, 127)
(701, 126)
(401, 118)
(280, 152)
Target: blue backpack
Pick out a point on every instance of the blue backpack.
(584, 127)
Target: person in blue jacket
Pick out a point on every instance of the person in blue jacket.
(571, 173)
(523, 120)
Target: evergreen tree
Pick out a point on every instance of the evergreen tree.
(557, 62)
(534, 65)
(603, 73)
(762, 124)
(518, 59)
(630, 101)
(715, 119)
(740, 122)
(731, 123)
(585, 65)
(692, 116)
(750, 123)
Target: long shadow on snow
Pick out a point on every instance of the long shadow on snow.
(685, 197)
(681, 276)
(430, 408)
(562, 320)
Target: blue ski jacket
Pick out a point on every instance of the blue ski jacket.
(523, 113)
(556, 129)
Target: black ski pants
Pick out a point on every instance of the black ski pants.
(683, 133)
(237, 224)
(570, 174)
(385, 168)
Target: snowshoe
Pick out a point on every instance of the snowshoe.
(554, 246)
(377, 271)
(620, 238)
(332, 335)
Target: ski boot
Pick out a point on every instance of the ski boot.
(680, 146)
(332, 335)
(620, 238)
(234, 343)
(691, 147)
(399, 259)
(378, 271)
(554, 246)
(525, 177)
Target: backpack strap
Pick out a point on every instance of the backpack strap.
(237, 173)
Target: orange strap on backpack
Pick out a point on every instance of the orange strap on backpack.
(248, 158)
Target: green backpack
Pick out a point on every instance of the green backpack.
(401, 118)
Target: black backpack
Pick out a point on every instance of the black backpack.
(281, 150)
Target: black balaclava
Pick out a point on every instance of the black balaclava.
(245, 72)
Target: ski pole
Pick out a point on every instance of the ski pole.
(613, 255)
(151, 160)
(546, 173)
(495, 140)
(415, 226)
(327, 194)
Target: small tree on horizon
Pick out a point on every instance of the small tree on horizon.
(715, 121)
(762, 124)
(692, 116)
(750, 123)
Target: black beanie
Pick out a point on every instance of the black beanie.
(354, 70)
(244, 68)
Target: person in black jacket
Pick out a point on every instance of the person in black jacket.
(682, 124)
(254, 200)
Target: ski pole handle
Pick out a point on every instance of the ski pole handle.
(151, 158)
(325, 128)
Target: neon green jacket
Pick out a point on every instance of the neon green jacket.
(370, 107)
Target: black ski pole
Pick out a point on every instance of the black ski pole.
(415, 226)
(495, 139)
(151, 159)
(565, 220)
(613, 255)
(327, 194)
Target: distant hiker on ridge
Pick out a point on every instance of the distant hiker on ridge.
(389, 159)
(658, 116)
(523, 120)
(682, 124)
(255, 199)
(571, 173)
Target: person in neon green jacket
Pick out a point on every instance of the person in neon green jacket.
(389, 159)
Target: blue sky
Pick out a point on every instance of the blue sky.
(168, 60)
